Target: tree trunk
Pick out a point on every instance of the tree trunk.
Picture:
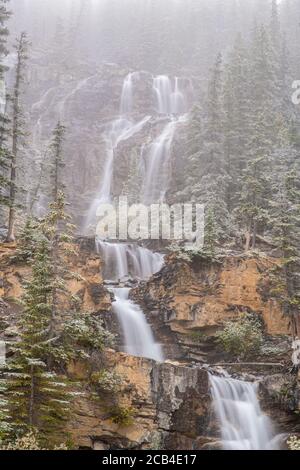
(254, 234)
(31, 400)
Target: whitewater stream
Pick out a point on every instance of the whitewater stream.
(243, 424)
(128, 261)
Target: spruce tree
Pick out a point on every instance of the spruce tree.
(37, 397)
(4, 154)
(286, 226)
(17, 132)
(255, 191)
(210, 235)
(57, 227)
(213, 181)
(236, 117)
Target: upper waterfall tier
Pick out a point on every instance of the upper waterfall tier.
(124, 261)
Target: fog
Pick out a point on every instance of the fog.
(151, 34)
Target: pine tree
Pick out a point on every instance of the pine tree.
(236, 117)
(4, 154)
(57, 227)
(210, 235)
(286, 226)
(255, 191)
(189, 181)
(213, 181)
(27, 241)
(17, 132)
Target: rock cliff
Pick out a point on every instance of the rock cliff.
(167, 405)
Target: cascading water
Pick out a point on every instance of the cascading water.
(243, 424)
(139, 340)
(178, 101)
(123, 261)
(156, 163)
(127, 93)
(2, 97)
(169, 97)
(79, 85)
(162, 87)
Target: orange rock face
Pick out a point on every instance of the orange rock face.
(87, 285)
(195, 296)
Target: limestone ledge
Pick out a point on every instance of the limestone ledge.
(191, 296)
(170, 403)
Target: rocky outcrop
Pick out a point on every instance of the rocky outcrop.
(170, 406)
(280, 396)
(86, 286)
(164, 405)
(192, 300)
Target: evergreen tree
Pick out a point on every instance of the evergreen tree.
(213, 183)
(37, 397)
(57, 227)
(236, 117)
(27, 241)
(17, 132)
(286, 226)
(210, 235)
(254, 196)
(4, 155)
(192, 170)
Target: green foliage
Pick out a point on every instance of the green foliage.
(27, 241)
(180, 252)
(82, 334)
(4, 121)
(36, 396)
(122, 415)
(285, 223)
(107, 381)
(242, 337)
(17, 134)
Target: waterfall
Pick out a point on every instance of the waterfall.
(117, 131)
(127, 93)
(2, 97)
(178, 100)
(163, 91)
(79, 85)
(157, 165)
(243, 424)
(169, 98)
(123, 260)
(139, 340)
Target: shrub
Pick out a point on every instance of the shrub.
(294, 443)
(106, 380)
(242, 337)
(122, 415)
(28, 441)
